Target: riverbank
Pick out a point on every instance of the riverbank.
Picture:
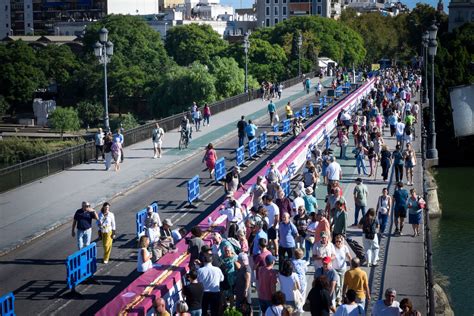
(452, 235)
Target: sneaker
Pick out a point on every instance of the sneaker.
(105, 262)
(159, 156)
(396, 233)
(154, 157)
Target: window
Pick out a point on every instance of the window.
(267, 11)
(276, 10)
(319, 9)
(284, 1)
(276, 1)
(284, 11)
(276, 20)
(29, 25)
(284, 19)
(267, 23)
(267, 1)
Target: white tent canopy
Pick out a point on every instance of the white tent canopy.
(324, 61)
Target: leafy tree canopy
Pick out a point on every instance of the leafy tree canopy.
(64, 119)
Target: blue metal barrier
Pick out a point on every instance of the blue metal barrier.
(252, 147)
(263, 141)
(140, 219)
(285, 186)
(275, 129)
(219, 169)
(303, 112)
(7, 305)
(81, 265)
(311, 109)
(325, 101)
(287, 125)
(193, 189)
(240, 155)
(297, 114)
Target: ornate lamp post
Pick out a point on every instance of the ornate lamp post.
(425, 37)
(432, 152)
(103, 50)
(246, 50)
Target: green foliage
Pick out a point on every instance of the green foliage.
(4, 106)
(90, 113)
(64, 119)
(128, 121)
(180, 87)
(17, 149)
(193, 42)
(266, 61)
(230, 79)
(58, 63)
(232, 311)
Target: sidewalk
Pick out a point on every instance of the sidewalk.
(38, 207)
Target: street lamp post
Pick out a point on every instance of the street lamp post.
(300, 43)
(103, 50)
(425, 38)
(432, 152)
(246, 50)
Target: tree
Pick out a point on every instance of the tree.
(193, 42)
(90, 113)
(4, 106)
(229, 77)
(64, 119)
(266, 61)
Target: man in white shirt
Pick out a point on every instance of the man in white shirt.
(387, 307)
(400, 130)
(273, 212)
(333, 172)
(157, 138)
(210, 277)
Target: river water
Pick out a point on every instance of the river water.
(453, 236)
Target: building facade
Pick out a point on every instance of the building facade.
(460, 12)
(271, 12)
(31, 17)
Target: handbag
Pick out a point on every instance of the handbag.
(277, 118)
(299, 300)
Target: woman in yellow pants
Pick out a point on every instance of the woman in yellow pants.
(106, 223)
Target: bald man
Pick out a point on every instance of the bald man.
(287, 234)
(159, 305)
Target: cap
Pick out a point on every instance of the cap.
(327, 260)
(324, 234)
(309, 190)
(358, 180)
(269, 260)
(168, 222)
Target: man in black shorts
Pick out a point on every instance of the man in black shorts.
(400, 197)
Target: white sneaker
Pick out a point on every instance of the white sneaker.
(159, 156)
(154, 157)
(105, 262)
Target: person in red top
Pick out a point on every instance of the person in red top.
(267, 284)
(259, 260)
(323, 225)
(210, 158)
(207, 114)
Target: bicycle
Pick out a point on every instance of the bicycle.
(183, 140)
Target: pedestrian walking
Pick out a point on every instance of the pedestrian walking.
(154, 239)
(356, 279)
(287, 232)
(271, 111)
(323, 249)
(241, 125)
(83, 223)
(410, 162)
(387, 306)
(288, 111)
(108, 142)
(407, 308)
(319, 298)
(359, 154)
(289, 281)
(328, 271)
(211, 277)
(157, 139)
(117, 153)
(118, 138)
(361, 193)
(251, 130)
(384, 205)
(197, 117)
(385, 161)
(243, 297)
(206, 114)
(369, 225)
(107, 228)
(232, 181)
(350, 307)
(339, 264)
(210, 158)
(400, 197)
(257, 192)
(99, 144)
(415, 205)
(193, 293)
(398, 163)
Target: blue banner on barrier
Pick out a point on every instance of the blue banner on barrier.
(240, 155)
(193, 189)
(7, 305)
(286, 126)
(253, 147)
(275, 129)
(303, 112)
(297, 114)
(285, 186)
(325, 101)
(140, 219)
(219, 169)
(311, 109)
(81, 265)
(263, 141)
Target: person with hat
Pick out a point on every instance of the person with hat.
(83, 222)
(153, 234)
(322, 249)
(166, 236)
(151, 217)
(361, 193)
(268, 279)
(310, 201)
(327, 270)
(274, 179)
(323, 225)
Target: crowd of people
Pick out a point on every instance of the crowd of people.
(269, 245)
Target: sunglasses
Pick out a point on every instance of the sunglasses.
(338, 241)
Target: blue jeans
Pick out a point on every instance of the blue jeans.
(357, 209)
(196, 312)
(83, 238)
(383, 220)
(241, 140)
(308, 249)
(343, 152)
(264, 305)
(360, 163)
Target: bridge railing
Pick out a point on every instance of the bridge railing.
(34, 169)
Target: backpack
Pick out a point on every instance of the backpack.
(369, 229)
(235, 244)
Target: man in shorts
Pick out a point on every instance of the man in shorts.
(157, 138)
(273, 212)
(400, 197)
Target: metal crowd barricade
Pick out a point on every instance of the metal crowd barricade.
(240, 155)
(140, 219)
(219, 169)
(263, 141)
(303, 112)
(275, 129)
(7, 305)
(287, 125)
(325, 101)
(297, 114)
(311, 109)
(193, 189)
(285, 186)
(81, 265)
(252, 147)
